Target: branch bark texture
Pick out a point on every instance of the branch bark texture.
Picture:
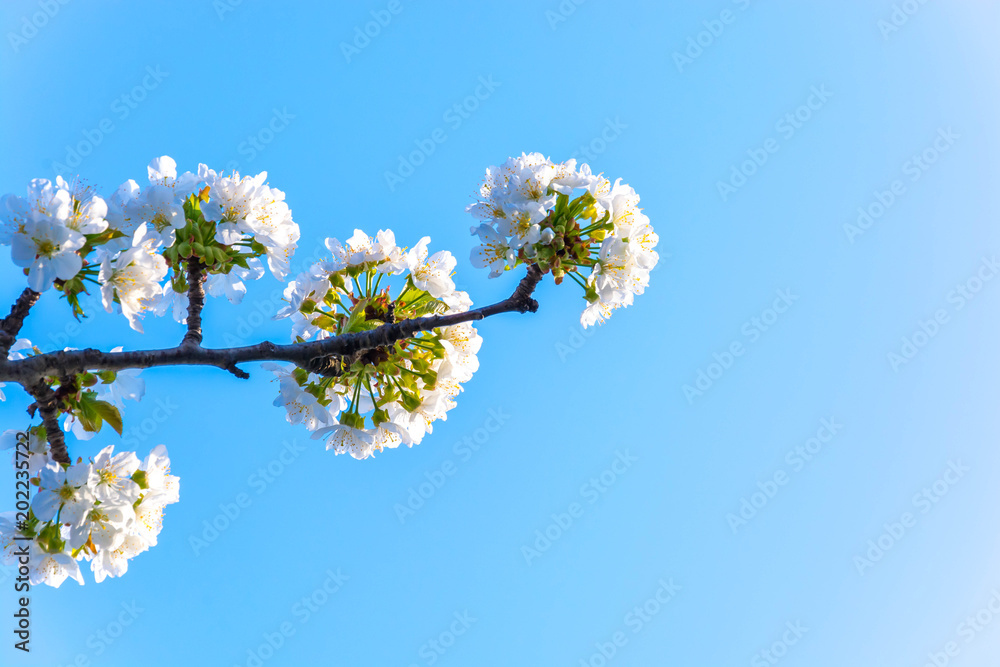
(11, 325)
(48, 407)
(196, 301)
(30, 371)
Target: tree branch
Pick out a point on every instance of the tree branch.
(48, 406)
(11, 325)
(30, 370)
(196, 301)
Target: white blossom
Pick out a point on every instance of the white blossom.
(301, 406)
(104, 525)
(47, 248)
(493, 253)
(65, 492)
(134, 277)
(53, 569)
(114, 482)
(432, 274)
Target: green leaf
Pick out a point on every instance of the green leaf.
(110, 414)
(356, 318)
(87, 413)
(418, 303)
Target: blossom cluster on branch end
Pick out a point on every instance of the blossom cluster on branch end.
(566, 220)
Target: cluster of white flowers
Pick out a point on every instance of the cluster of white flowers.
(105, 511)
(226, 222)
(401, 389)
(246, 209)
(133, 275)
(139, 234)
(532, 211)
(47, 229)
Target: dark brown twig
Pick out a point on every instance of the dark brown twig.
(29, 371)
(48, 405)
(196, 301)
(11, 325)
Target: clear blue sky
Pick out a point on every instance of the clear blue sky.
(452, 584)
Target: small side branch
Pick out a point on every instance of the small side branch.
(11, 325)
(48, 407)
(237, 371)
(196, 301)
(521, 300)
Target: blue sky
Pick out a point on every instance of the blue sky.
(593, 438)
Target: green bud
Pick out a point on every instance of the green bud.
(430, 379)
(353, 420)
(139, 477)
(379, 416)
(49, 539)
(410, 402)
(325, 322)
